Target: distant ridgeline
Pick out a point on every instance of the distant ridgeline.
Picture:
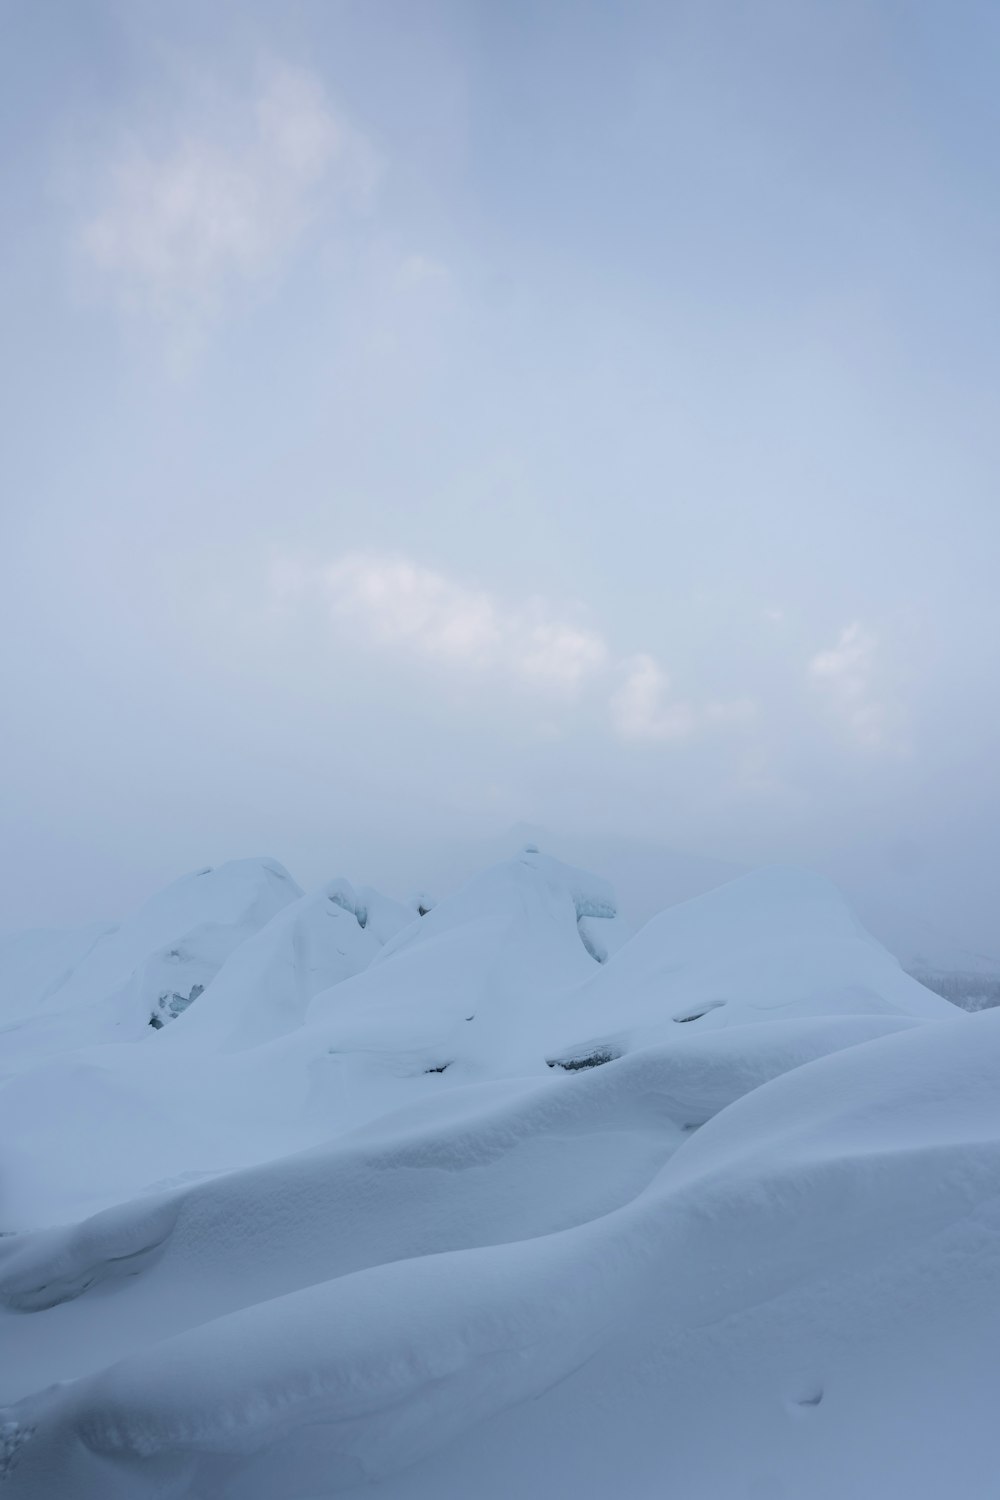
(968, 990)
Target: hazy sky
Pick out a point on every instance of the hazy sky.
(420, 416)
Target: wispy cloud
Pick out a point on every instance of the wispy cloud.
(848, 677)
(643, 708)
(403, 604)
(393, 604)
(225, 202)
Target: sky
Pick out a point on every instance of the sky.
(423, 417)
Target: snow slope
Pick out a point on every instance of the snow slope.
(119, 979)
(471, 1204)
(953, 952)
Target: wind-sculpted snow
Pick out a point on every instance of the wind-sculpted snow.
(452, 1205)
(265, 986)
(145, 971)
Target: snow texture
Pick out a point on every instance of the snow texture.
(310, 1195)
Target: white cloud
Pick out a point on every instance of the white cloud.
(225, 201)
(392, 603)
(642, 709)
(847, 675)
(553, 651)
(403, 604)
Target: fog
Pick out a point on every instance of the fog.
(425, 419)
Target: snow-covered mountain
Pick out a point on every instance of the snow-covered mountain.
(321, 1194)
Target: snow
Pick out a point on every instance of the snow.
(494, 1200)
(147, 967)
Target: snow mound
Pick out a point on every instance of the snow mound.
(148, 971)
(473, 1203)
(265, 986)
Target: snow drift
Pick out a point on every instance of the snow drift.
(477, 1202)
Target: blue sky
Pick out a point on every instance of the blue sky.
(422, 417)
